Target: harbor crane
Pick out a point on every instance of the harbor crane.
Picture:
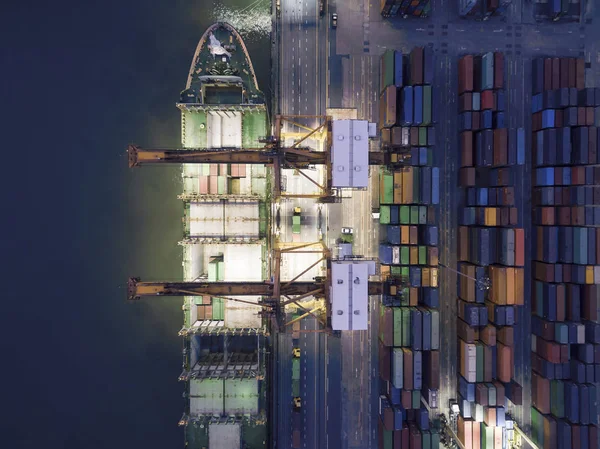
(275, 153)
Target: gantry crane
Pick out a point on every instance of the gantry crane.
(273, 153)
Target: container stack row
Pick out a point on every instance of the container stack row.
(490, 251)
(482, 9)
(220, 179)
(409, 320)
(566, 256)
(558, 10)
(406, 104)
(405, 8)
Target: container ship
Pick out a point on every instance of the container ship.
(225, 225)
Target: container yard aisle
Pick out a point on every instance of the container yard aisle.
(446, 157)
(517, 74)
(283, 411)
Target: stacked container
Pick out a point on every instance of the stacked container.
(409, 339)
(491, 252)
(482, 9)
(566, 269)
(405, 8)
(558, 10)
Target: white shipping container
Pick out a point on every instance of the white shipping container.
(395, 255)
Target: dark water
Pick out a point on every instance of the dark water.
(81, 368)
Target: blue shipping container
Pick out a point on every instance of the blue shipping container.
(398, 67)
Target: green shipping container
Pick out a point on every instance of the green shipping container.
(426, 439)
(220, 270)
(295, 388)
(212, 272)
(218, 310)
(404, 273)
(387, 69)
(388, 439)
(414, 215)
(423, 215)
(435, 439)
(557, 395)
(405, 326)
(404, 214)
(404, 300)
(537, 427)
(198, 300)
(396, 271)
(384, 215)
(416, 185)
(422, 136)
(426, 105)
(386, 189)
(491, 393)
(397, 327)
(416, 399)
(222, 185)
(205, 170)
(422, 255)
(405, 255)
(435, 329)
(487, 437)
(295, 368)
(479, 364)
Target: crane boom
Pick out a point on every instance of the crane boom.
(288, 157)
(137, 289)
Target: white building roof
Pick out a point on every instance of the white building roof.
(350, 153)
(349, 295)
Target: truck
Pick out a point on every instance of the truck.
(296, 220)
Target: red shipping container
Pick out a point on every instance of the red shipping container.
(540, 390)
(476, 120)
(487, 99)
(555, 73)
(415, 438)
(593, 437)
(467, 176)
(203, 184)
(519, 247)
(572, 72)
(401, 438)
(465, 74)
(466, 145)
(500, 149)
(208, 312)
(589, 116)
(213, 185)
(548, 74)
(580, 74)
(498, 70)
(575, 436)
(564, 72)
(504, 362)
(214, 169)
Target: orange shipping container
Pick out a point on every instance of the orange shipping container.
(519, 286)
(519, 247)
(510, 286)
(497, 437)
(414, 296)
(488, 335)
(414, 255)
(432, 256)
(425, 277)
(504, 363)
(476, 435)
(404, 235)
(489, 416)
(407, 186)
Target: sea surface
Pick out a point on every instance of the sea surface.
(80, 367)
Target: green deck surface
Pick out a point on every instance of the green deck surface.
(254, 126)
(193, 129)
